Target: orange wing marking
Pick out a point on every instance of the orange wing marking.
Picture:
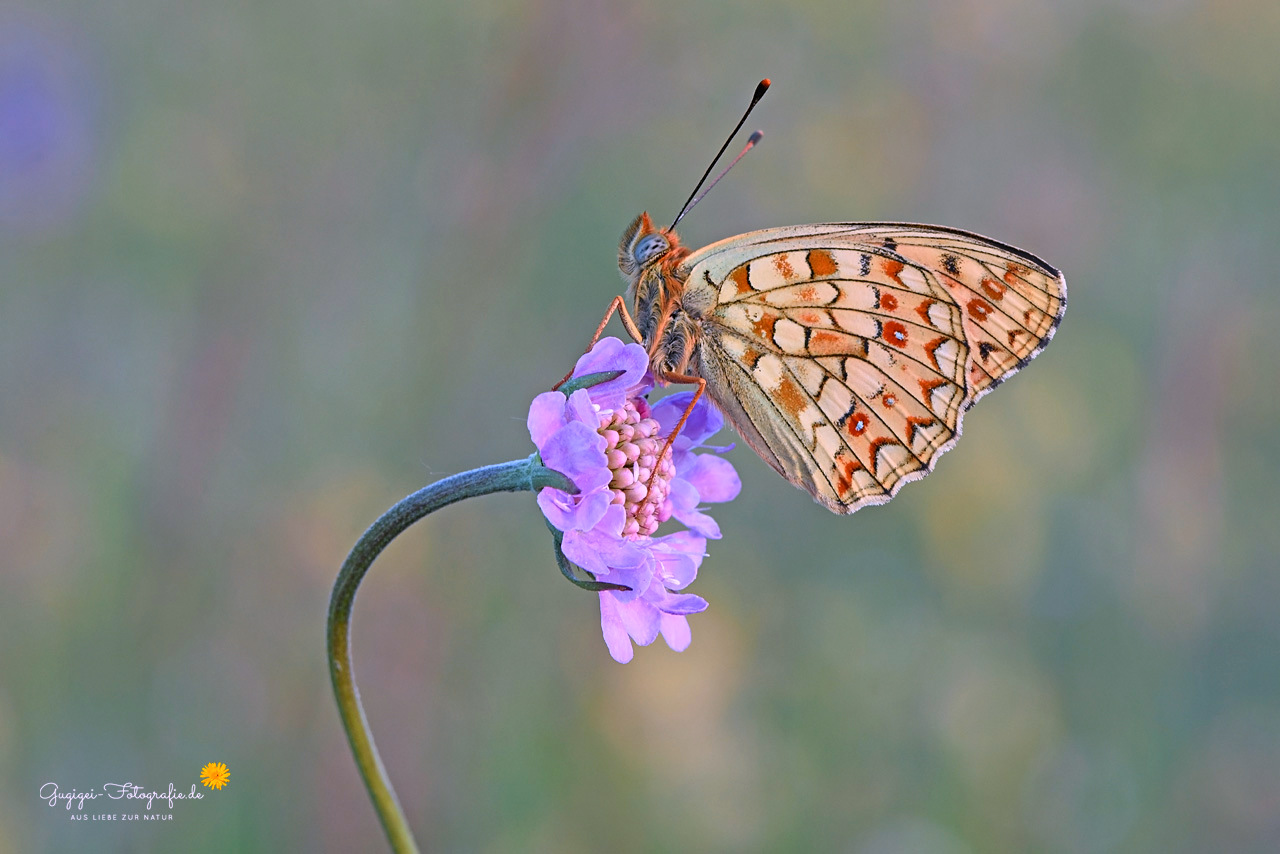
(892, 268)
(915, 421)
(822, 263)
(790, 396)
(855, 424)
(1012, 270)
(992, 288)
(923, 310)
(844, 479)
(931, 349)
(764, 326)
(895, 333)
(927, 387)
(979, 309)
(823, 342)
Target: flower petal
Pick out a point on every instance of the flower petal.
(577, 451)
(704, 421)
(559, 507)
(578, 548)
(615, 634)
(683, 499)
(546, 416)
(612, 521)
(610, 354)
(714, 477)
(675, 571)
(609, 557)
(639, 578)
(592, 510)
(640, 619)
(582, 408)
(699, 522)
(568, 512)
(675, 631)
(675, 603)
(679, 555)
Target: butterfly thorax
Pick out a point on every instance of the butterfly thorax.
(651, 261)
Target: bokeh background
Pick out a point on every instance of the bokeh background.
(266, 268)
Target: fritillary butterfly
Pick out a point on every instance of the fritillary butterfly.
(845, 354)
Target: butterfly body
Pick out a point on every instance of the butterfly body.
(845, 354)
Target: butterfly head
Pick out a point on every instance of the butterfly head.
(649, 260)
(644, 246)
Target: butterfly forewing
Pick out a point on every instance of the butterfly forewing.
(846, 354)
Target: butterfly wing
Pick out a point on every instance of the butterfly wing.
(846, 354)
(1011, 301)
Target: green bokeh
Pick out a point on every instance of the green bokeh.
(266, 268)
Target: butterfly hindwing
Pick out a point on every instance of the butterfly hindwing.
(1010, 301)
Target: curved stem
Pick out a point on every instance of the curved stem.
(515, 476)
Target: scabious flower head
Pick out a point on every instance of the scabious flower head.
(632, 448)
(608, 442)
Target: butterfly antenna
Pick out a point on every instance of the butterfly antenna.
(751, 142)
(755, 137)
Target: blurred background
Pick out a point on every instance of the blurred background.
(267, 268)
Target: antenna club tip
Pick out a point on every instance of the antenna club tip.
(761, 88)
(766, 83)
(755, 137)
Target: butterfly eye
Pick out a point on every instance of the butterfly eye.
(649, 247)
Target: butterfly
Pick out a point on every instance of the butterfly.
(844, 354)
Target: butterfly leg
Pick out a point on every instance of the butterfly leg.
(620, 307)
(688, 410)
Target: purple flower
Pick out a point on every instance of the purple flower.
(609, 443)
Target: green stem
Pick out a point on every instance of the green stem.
(515, 476)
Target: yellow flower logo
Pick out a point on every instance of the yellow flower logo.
(215, 775)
